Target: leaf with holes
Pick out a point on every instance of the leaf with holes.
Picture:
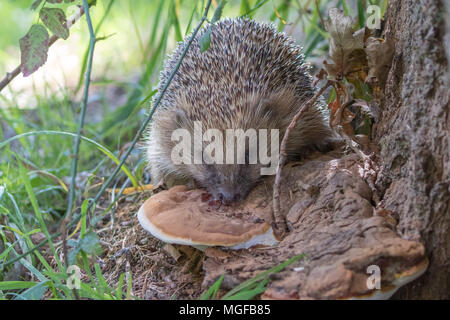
(55, 20)
(33, 48)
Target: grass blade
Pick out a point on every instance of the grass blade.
(246, 284)
(15, 285)
(211, 293)
(37, 211)
(102, 148)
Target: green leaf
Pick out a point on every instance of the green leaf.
(205, 40)
(218, 12)
(55, 20)
(33, 48)
(90, 244)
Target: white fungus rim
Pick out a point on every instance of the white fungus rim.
(266, 238)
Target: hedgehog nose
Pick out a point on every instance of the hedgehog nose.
(228, 198)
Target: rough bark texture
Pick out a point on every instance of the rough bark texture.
(413, 135)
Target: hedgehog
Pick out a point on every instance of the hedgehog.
(251, 77)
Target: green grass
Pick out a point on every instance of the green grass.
(36, 133)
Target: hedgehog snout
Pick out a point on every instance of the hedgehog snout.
(230, 194)
(228, 197)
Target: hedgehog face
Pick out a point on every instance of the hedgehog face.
(228, 183)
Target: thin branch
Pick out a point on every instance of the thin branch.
(11, 75)
(278, 219)
(87, 81)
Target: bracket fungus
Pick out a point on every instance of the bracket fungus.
(189, 217)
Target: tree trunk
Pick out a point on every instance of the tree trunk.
(413, 134)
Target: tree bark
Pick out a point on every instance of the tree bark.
(413, 135)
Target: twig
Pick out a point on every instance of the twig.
(136, 138)
(11, 75)
(278, 220)
(87, 81)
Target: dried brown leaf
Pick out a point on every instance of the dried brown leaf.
(344, 41)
